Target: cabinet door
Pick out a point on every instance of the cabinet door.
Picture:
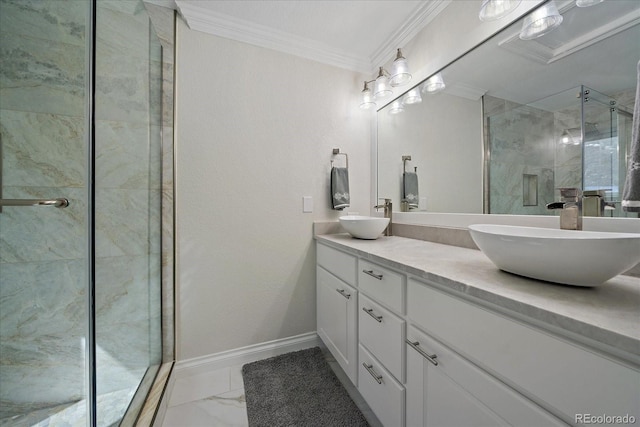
(457, 393)
(434, 400)
(337, 320)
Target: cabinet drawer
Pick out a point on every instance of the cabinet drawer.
(561, 376)
(382, 392)
(382, 284)
(339, 263)
(459, 393)
(337, 319)
(382, 333)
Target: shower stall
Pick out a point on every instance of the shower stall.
(83, 168)
(577, 138)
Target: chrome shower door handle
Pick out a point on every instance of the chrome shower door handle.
(58, 203)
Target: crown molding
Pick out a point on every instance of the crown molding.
(205, 20)
(466, 91)
(537, 51)
(425, 13)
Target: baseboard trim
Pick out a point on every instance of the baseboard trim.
(242, 355)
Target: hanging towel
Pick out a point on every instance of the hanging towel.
(631, 192)
(410, 189)
(339, 188)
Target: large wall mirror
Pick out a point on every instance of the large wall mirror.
(518, 119)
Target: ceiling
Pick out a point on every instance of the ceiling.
(358, 35)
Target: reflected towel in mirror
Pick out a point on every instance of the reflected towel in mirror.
(410, 189)
(340, 198)
(631, 192)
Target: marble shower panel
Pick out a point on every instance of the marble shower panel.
(43, 278)
(521, 140)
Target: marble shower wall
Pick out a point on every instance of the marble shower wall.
(43, 252)
(521, 142)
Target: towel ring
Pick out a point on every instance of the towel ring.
(336, 152)
(404, 163)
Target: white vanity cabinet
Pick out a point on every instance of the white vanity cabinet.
(567, 380)
(422, 354)
(337, 305)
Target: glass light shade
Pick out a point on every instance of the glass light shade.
(490, 10)
(396, 107)
(541, 21)
(399, 72)
(413, 97)
(587, 3)
(382, 89)
(434, 84)
(367, 98)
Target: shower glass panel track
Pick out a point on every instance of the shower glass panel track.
(80, 219)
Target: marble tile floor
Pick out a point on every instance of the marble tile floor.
(216, 399)
(111, 406)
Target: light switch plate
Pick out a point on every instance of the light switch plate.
(307, 204)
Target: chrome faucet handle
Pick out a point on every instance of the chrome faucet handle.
(570, 207)
(387, 202)
(570, 193)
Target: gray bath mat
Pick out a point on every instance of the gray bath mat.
(297, 389)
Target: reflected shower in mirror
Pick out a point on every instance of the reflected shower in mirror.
(518, 119)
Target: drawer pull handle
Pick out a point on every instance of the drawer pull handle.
(431, 358)
(372, 274)
(373, 373)
(369, 311)
(343, 293)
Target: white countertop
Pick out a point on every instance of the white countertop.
(608, 314)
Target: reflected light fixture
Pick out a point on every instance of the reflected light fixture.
(412, 97)
(396, 107)
(571, 136)
(541, 21)
(490, 10)
(587, 3)
(434, 84)
(382, 85)
(381, 88)
(367, 97)
(399, 71)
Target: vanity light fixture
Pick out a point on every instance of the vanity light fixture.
(399, 71)
(381, 88)
(587, 3)
(367, 97)
(396, 107)
(541, 21)
(385, 81)
(491, 10)
(412, 97)
(434, 84)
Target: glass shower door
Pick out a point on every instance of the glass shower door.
(128, 122)
(601, 148)
(80, 314)
(43, 249)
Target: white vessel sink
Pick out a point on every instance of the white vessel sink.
(580, 258)
(364, 227)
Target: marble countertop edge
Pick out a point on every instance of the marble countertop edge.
(608, 314)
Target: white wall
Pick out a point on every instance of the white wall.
(255, 129)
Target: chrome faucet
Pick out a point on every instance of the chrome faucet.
(571, 205)
(388, 213)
